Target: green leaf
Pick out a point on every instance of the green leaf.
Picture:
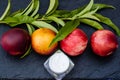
(85, 10)
(40, 24)
(76, 11)
(52, 7)
(69, 14)
(30, 29)
(27, 52)
(25, 19)
(10, 20)
(30, 9)
(16, 13)
(89, 16)
(36, 16)
(36, 8)
(26, 11)
(64, 31)
(102, 6)
(92, 23)
(95, 6)
(33, 8)
(108, 22)
(27, 8)
(6, 11)
(61, 13)
(13, 21)
(93, 11)
(57, 20)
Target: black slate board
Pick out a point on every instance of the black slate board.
(87, 66)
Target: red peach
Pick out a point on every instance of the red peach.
(75, 43)
(103, 42)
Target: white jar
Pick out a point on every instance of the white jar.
(58, 65)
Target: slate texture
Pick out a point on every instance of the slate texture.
(87, 66)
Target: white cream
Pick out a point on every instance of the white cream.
(59, 62)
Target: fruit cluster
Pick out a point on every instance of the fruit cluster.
(16, 42)
(45, 40)
(103, 42)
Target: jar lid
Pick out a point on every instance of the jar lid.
(59, 63)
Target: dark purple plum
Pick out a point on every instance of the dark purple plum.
(15, 41)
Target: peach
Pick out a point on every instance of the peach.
(75, 43)
(103, 42)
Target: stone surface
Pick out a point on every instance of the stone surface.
(87, 66)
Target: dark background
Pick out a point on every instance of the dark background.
(87, 65)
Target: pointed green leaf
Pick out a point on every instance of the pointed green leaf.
(16, 13)
(93, 11)
(40, 24)
(86, 9)
(102, 6)
(108, 22)
(6, 11)
(52, 7)
(89, 16)
(57, 20)
(27, 8)
(30, 9)
(61, 13)
(27, 52)
(64, 31)
(99, 6)
(32, 27)
(26, 11)
(92, 23)
(10, 20)
(29, 29)
(36, 16)
(69, 14)
(13, 21)
(36, 7)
